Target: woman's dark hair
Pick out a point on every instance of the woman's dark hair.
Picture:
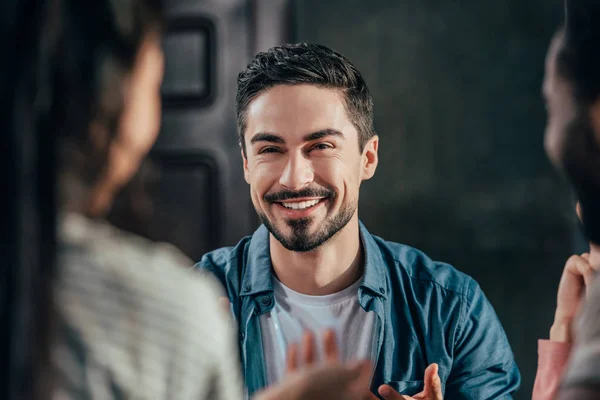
(64, 62)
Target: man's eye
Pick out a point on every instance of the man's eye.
(322, 146)
(269, 150)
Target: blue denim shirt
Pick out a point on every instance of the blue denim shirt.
(427, 312)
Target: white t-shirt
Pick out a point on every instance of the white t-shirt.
(294, 313)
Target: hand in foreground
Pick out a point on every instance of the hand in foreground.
(577, 274)
(431, 391)
(328, 380)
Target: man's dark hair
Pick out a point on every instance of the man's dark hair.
(303, 63)
(578, 59)
(578, 62)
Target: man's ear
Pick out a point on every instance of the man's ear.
(370, 158)
(245, 163)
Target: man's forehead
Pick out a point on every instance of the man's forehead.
(290, 99)
(297, 110)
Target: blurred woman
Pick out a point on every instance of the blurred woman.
(91, 311)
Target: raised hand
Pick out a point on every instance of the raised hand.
(577, 274)
(308, 380)
(306, 355)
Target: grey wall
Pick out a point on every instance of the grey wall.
(462, 172)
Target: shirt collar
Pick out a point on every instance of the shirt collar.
(374, 277)
(257, 271)
(257, 275)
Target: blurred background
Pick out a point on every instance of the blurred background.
(462, 174)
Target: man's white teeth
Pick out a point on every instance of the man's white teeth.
(300, 205)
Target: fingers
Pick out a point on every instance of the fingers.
(369, 396)
(359, 388)
(433, 384)
(292, 359)
(363, 381)
(389, 393)
(317, 383)
(344, 373)
(337, 381)
(432, 387)
(301, 355)
(306, 354)
(309, 349)
(340, 379)
(594, 257)
(580, 267)
(330, 347)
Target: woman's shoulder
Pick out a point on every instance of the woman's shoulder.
(107, 265)
(130, 299)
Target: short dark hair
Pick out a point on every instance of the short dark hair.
(303, 63)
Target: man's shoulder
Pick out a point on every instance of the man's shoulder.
(421, 269)
(221, 260)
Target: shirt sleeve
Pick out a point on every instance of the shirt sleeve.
(484, 366)
(584, 365)
(552, 360)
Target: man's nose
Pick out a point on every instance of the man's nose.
(297, 173)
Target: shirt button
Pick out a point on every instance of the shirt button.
(242, 335)
(382, 290)
(248, 288)
(266, 301)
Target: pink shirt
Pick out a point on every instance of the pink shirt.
(552, 360)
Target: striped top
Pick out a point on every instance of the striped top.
(136, 323)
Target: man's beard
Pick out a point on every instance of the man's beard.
(301, 240)
(581, 164)
(580, 156)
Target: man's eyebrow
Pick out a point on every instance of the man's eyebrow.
(266, 137)
(322, 133)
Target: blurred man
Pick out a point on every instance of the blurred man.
(572, 92)
(305, 120)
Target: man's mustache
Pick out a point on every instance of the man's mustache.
(284, 195)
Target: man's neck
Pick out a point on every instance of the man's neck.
(331, 267)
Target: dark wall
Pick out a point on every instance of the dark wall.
(462, 175)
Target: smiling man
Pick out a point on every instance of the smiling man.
(305, 120)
